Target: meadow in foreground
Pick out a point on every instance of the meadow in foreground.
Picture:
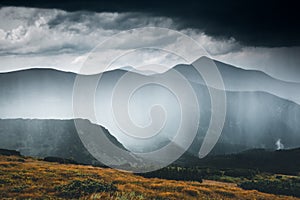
(30, 178)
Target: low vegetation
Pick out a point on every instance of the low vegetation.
(198, 173)
(176, 173)
(29, 178)
(280, 186)
(78, 188)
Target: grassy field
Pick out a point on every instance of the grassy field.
(29, 178)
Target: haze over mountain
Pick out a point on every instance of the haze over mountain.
(260, 109)
(237, 79)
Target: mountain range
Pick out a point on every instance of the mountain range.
(260, 111)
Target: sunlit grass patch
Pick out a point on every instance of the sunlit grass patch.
(36, 179)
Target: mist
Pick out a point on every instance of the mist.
(254, 119)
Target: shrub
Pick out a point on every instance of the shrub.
(279, 186)
(191, 192)
(78, 188)
(5, 181)
(59, 160)
(246, 173)
(278, 177)
(176, 173)
(19, 189)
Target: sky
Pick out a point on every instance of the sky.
(89, 37)
(253, 35)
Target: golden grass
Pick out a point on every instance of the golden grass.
(34, 179)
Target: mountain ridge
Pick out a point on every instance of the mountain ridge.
(130, 68)
(50, 137)
(185, 68)
(20, 90)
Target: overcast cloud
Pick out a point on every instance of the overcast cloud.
(51, 38)
(269, 23)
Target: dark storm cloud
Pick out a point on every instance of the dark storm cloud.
(254, 23)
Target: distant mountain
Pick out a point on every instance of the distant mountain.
(237, 79)
(255, 118)
(44, 138)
